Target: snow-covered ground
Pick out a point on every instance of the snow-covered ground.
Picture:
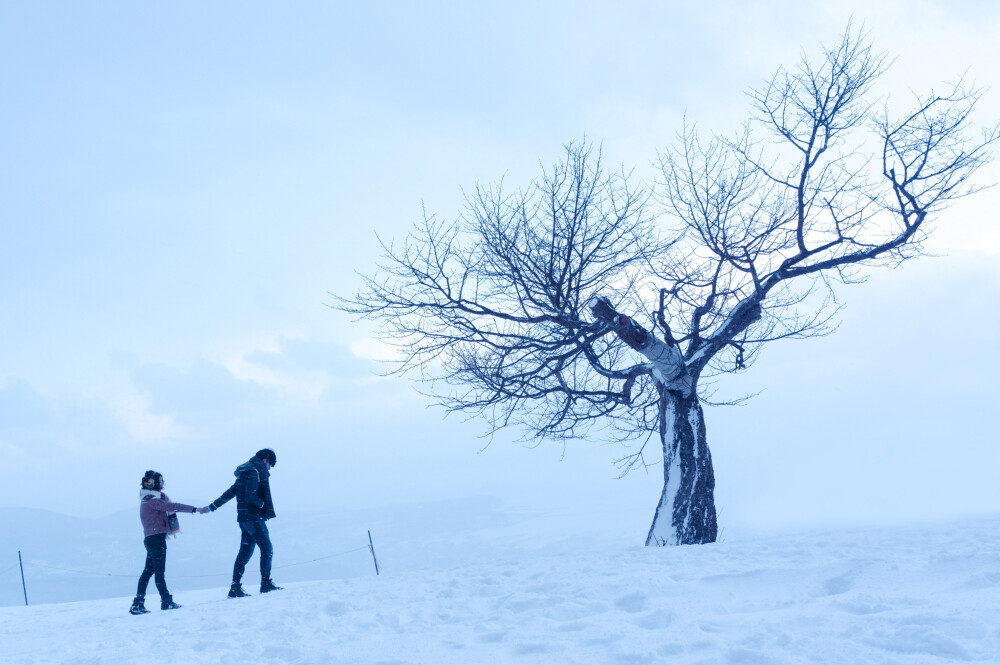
(515, 588)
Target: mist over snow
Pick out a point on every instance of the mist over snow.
(473, 582)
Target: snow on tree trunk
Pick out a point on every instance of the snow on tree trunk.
(686, 512)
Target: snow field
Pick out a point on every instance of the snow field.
(876, 596)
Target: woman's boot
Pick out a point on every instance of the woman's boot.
(167, 603)
(138, 606)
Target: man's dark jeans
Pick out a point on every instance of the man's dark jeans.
(253, 534)
(156, 564)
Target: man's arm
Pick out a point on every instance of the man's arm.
(226, 496)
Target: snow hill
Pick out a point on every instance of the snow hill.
(515, 589)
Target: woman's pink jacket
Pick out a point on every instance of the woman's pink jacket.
(153, 510)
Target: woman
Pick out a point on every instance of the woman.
(158, 519)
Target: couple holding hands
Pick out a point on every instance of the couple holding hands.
(253, 507)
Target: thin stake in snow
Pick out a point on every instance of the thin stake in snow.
(371, 548)
(23, 587)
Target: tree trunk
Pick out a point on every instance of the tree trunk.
(686, 513)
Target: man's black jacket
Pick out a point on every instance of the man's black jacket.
(252, 491)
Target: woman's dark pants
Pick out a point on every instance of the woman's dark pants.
(156, 563)
(253, 533)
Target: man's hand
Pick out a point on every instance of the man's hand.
(204, 510)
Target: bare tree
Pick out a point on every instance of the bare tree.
(521, 310)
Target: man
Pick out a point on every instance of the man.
(253, 507)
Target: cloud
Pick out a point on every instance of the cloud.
(198, 394)
(133, 409)
(21, 405)
(244, 384)
(300, 370)
(374, 349)
(291, 354)
(35, 426)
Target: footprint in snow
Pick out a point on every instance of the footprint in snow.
(571, 627)
(864, 606)
(632, 603)
(335, 608)
(835, 586)
(655, 620)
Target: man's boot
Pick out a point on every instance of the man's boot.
(167, 603)
(266, 585)
(138, 606)
(236, 591)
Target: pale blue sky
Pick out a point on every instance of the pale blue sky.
(182, 183)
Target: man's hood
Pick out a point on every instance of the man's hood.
(253, 462)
